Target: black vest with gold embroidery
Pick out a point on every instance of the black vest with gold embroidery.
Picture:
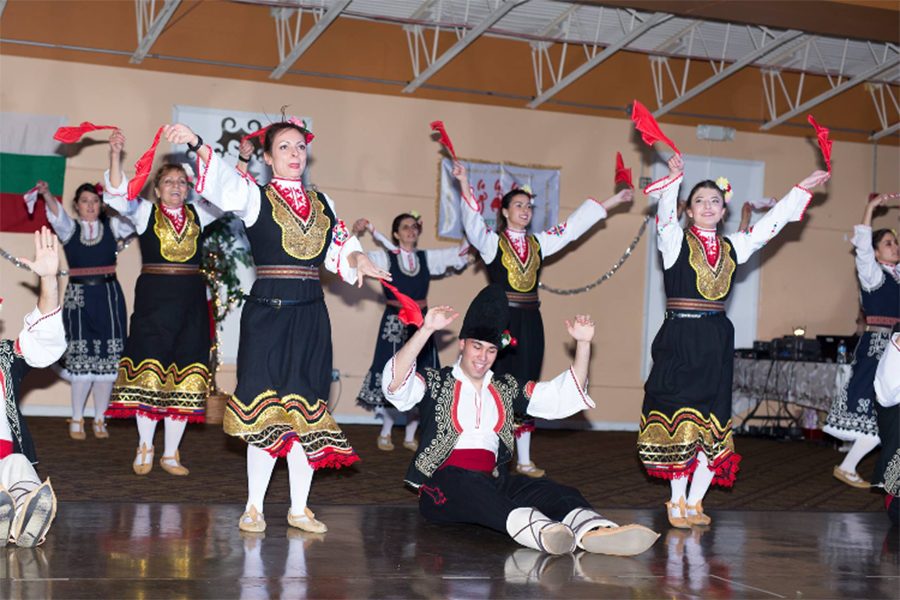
(510, 272)
(439, 431)
(280, 237)
(160, 243)
(692, 277)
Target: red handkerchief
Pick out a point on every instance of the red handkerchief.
(70, 135)
(410, 313)
(142, 168)
(646, 124)
(443, 138)
(824, 142)
(623, 175)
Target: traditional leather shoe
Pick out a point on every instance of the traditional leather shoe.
(7, 515)
(851, 478)
(411, 445)
(308, 522)
(76, 429)
(34, 517)
(172, 465)
(384, 443)
(680, 520)
(627, 540)
(252, 521)
(143, 461)
(530, 470)
(697, 517)
(99, 427)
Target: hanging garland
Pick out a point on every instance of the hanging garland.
(608, 274)
(62, 272)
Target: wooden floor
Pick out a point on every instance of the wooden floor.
(148, 551)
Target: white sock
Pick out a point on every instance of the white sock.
(174, 431)
(387, 423)
(523, 448)
(259, 471)
(80, 391)
(861, 446)
(102, 392)
(411, 427)
(679, 492)
(300, 474)
(700, 482)
(146, 428)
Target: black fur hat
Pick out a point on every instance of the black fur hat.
(487, 317)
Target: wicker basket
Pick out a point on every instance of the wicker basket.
(215, 408)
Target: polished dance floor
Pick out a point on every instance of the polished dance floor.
(128, 550)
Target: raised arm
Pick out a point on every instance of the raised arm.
(668, 229)
(224, 186)
(566, 394)
(480, 235)
(440, 260)
(585, 216)
(345, 256)
(400, 387)
(378, 256)
(245, 153)
(789, 209)
(43, 339)
(59, 219)
(868, 271)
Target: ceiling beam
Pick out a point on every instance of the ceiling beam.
(470, 36)
(2, 6)
(784, 38)
(153, 30)
(579, 71)
(885, 132)
(860, 78)
(311, 36)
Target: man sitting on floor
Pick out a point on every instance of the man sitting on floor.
(467, 436)
(27, 507)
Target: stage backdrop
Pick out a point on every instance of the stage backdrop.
(491, 181)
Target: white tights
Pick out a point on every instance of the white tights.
(259, 471)
(389, 416)
(700, 482)
(861, 446)
(80, 392)
(174, 430)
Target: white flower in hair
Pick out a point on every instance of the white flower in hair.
(723, 184)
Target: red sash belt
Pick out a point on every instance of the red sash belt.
(472, 459)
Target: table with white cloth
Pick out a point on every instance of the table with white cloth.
(809, 385)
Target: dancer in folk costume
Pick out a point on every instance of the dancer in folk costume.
(412, 270)
(467, 436)
(887, 393)
(284, 360)
(93, 305)
(685, 431)
(163, 373)
(514, 259)
(852, 416)
(27, 506)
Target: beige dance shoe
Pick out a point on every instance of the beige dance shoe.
(698, 518)
(681, 521)
(7, 515)
(851, 478)
(99, 427)
(34, 517)
(530, 470)
(627, 540)
(413, 445)
(252, 521)
(385, 443)
(76, 429)
(307, 522)
(143, 461)
(172, 465)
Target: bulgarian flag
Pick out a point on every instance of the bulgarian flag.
(27, 155)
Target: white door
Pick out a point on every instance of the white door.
(746, 178)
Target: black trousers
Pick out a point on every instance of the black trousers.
(455, 495)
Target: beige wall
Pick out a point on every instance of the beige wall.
(373, 154)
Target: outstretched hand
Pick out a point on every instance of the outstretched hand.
(116, 142)
(46, 254)
(459, 171)
(365, 267)
(246, 149)
(814, 179)
(360, 226)
(582, 329)
(180, 134)
(880, 199)
(626, 195)
(439, 317)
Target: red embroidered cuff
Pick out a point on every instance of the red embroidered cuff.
(203, 169)
(661, 184)
(43, 317)
(581, 391)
